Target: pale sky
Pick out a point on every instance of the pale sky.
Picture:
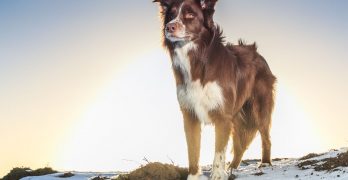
(86, 85)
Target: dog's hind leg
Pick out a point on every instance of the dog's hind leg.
(262, 112)
(264, 130)
(242, 138)
(266, 146)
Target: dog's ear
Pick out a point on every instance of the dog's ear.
(208, 4)
(208, 7)
(164, 3)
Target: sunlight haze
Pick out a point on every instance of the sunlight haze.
(86, 85)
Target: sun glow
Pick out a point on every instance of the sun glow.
(120, 125)
(137, 116)
(78, 93)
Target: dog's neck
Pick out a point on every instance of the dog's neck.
(203, 46)
(189, 58)
(182, 58)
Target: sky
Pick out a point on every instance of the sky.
(86, 85)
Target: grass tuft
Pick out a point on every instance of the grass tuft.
(21, 172)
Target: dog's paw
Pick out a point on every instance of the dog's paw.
(219, 174)
(265, 165)
(197, 177)
(231, 175)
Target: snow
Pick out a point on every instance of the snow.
(77, 176)
(285, 169)
(281, 169)
(332, 153)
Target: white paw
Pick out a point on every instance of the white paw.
(197, 177)
(219, 174)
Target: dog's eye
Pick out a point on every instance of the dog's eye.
(190, 16)
(172, 14)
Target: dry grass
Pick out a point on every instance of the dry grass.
(66, 175)
(18, 173)
(156, 171)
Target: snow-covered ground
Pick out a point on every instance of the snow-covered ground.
(281, 169)
(77, 176)
(287, 169)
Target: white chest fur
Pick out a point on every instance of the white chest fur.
(192, 95)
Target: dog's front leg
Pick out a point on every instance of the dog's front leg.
(222, 134)
(193, 138)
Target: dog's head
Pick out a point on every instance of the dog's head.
(186, 20)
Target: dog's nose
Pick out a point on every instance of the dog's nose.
(171, 27)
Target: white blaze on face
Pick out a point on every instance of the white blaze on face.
(192, 95)
(179, 35)
(219, 172)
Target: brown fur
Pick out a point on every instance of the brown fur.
(244, 76)
(193, 138)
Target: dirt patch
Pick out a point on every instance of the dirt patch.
(328, 164)
(259, 174)
(310, 156)
(66, 175)
(332, 163)
(304, 165)
(100, 178)
(279, 159)
(156, 171)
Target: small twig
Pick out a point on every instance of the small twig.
(146, 160)
(171, 160)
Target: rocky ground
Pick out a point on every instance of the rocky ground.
(330, 165)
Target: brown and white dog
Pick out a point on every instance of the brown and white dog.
(229, 86)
